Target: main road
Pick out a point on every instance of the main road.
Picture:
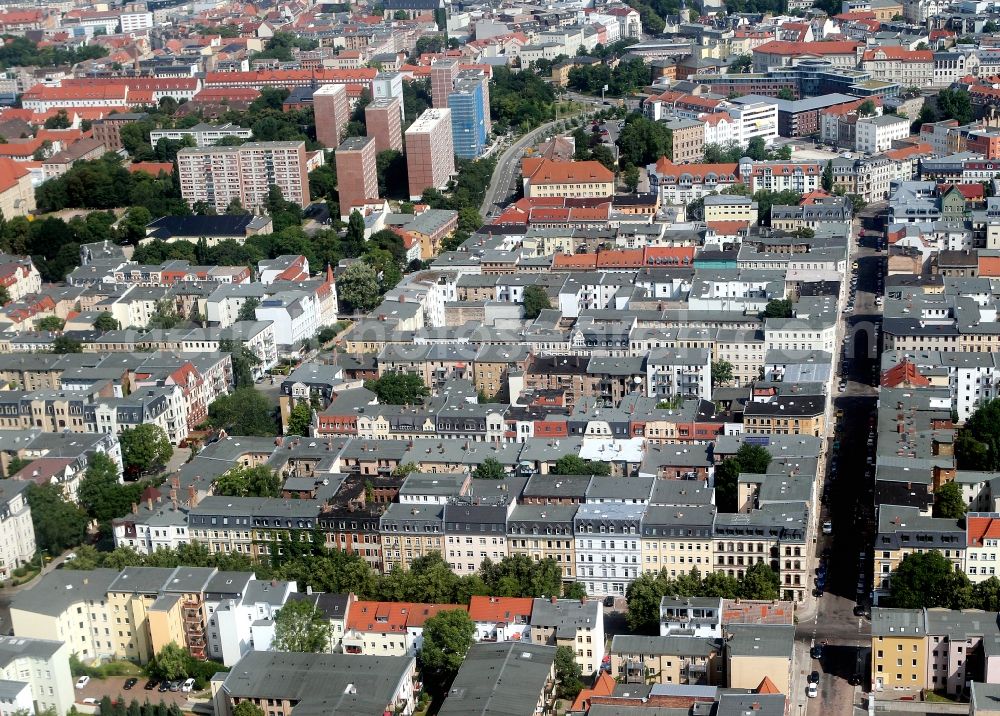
(508, 165)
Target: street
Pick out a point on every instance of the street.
(848, 503)
(508, 168)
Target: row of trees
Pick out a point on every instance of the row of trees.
(929, 579)
(645, 593)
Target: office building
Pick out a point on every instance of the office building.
(357, 180)
(218, 175)
(332, 110)
(430, 154)
(384, 124)
(388, 85)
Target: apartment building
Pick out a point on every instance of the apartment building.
(333, 109)
(41, 668)
(383, 119)
(430, 152)
(608, 551)
(475, 530)
(678, 538)
(357, 179)
(903, 531)
(544, 531)
(684, 660)
(774, 534)
(410, 531)
(250, 525)
(673, 372)
(899, 649)
(576, 623)
(501, 618)
(203, 134)
(219, 175)
(982, 544)
(336, 684)
(876, 134)
(909, 68)
(17, 533)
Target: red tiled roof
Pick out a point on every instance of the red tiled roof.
(499, 609)
(10, 173)
(903, 373)
(979, 528)
(898, 53)
(539, 170)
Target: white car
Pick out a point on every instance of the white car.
(828, 528)
(82, 681)
(187, 685)
(812, 691)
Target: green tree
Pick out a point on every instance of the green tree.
(132, 226)
(354, 240)
(358, 287)
(65, 344)
(630, 177)
(165, 315)
(247, 708)
(751, 459)
(574, 590)
(955, 104)
(243, 360)
(50, 323)
(300, 419)
(986, 595)
(778, 308)
(568, 673)
(866, 109)
(260, 481)
(144, 448)
(948, 501)
(722, 372)
(759, 582)
(536, 300)
(978, 444)
(395, 388)
(245, 411)
(448, 635)
(490, 469)
(106, 322)
(573, 465)
(170, 663)
(58, 524)
(4, 293)
(248, 311)
(740, 64)
(643, 141)
(786, 93)
(989, 28)
(926, 579)
(301, 627)
(101, 493)
(643, 596)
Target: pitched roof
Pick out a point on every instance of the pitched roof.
(539, 170)
(767, 686)
(979, 528)
(499, 609)
(903, 373)
(10, 173)
(898, 53)
(781, 47)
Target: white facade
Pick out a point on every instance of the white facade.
(204, 135)
(236, 626)
(672, 372)
(876, 134)
(136, 21)
(608, 551)
(294, 315)
(43, 666)
(17, 534)
(754, 119)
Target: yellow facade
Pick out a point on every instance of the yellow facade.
(899, 662)
(677, 555)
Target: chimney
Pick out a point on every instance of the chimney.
(149, 503)
(173, 498)
(135, 508)
(192, 496)
(175, 482)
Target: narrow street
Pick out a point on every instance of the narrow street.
(847, 502)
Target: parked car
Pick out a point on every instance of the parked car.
(816, 652)
(176, 685)
(164, 686)
(814, 677)
(82, 681)
(812, 691)
(151, 684)
(828, 528)
(187, 685)
(129, 683)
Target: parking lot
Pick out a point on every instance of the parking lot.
(113, 687)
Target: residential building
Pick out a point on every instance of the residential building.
(469, 115)
(687, 140)
(336, 684)
(220, 175)
(544, 532)
(608, 548)
(17, 194)
(356, 164)
(519, 676)
(576, 623)
(203, 134)
(43, 666)
(332, 110)
(899, 649)
(383, 119)
(17, 534)
(683, 660)
(430, 153)
(876, 134)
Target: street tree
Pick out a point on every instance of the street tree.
(759, 582)
(58, 524)
(101, 493)
(927, 579)
(358, 287)
(171, 663)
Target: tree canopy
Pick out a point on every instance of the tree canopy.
(301, 627)
(245, 411)
(448, 635)
(573, 465)
(753, 459)
(395, 388)
(144, 448)
(977, 446)
(58, 523)
(259, 481)
(535, 301)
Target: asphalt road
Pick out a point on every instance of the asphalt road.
(848, 502)
(508, 167)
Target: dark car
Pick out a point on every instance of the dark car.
(129, 683)
(151, 684)
(854, 680)
(816, 652)
(814, 677)
(164, 686)
(860, 610)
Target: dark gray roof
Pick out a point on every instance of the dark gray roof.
(58, 589)
(504, 679)
(321, 684)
